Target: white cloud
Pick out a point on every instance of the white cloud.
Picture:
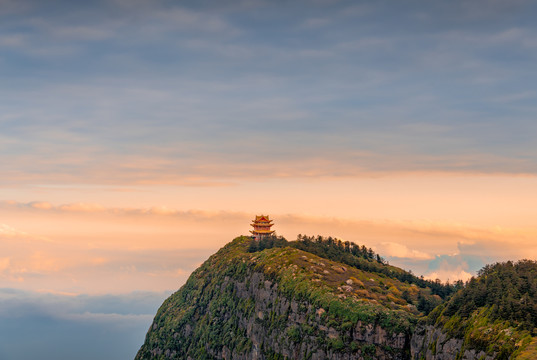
(392, 249)
(449, 274)
(6, 230)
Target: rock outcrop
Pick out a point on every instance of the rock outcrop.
(431, 343)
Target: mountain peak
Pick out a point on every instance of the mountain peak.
(314, 298)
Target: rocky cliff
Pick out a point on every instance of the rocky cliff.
(287, 303)
(269, 324)
(431, 343)
(281, 303)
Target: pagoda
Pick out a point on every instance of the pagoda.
(261, 225)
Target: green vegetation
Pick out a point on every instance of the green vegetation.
(496, 312)
(310, 279)
(509, 289)
(209, 315)
(363, 258)
(529, 352)
(319, 295)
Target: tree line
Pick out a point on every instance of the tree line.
(508, 289)
(360, 257)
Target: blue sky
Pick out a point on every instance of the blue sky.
(137, 137)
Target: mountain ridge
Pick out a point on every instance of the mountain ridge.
(274, 300)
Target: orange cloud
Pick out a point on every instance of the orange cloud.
(4, 264)
(393, 249)
(6, 230)
(207, 169)
(41, 205)
(74, 246)
(80, 207)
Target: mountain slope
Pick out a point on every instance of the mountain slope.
(494, 316)
(324, 299)
(283, 303)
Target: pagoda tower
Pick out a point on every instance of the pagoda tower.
(261, 225)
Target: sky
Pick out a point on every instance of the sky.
(138, 137)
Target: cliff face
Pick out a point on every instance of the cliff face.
(279, 325)
(431, 343)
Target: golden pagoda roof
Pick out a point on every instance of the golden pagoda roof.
(262, 218)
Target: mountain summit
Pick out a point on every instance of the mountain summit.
(320, 298)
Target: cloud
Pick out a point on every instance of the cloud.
(81, 207)
(8, 231)
(135, 246)
(226, 169)
(472, 255)
(121, 92)
(42, 205)
(396, 250)
(466, 237)
(4, 264)
(455, 267)
(56, 326)
(450, 274)
(153, 254)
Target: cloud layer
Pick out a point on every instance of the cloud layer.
(72, 247)
(189, 93)
(61, 326)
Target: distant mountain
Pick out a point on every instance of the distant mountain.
(494, 314)
(320, 298)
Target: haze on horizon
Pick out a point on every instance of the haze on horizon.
(138, 137)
